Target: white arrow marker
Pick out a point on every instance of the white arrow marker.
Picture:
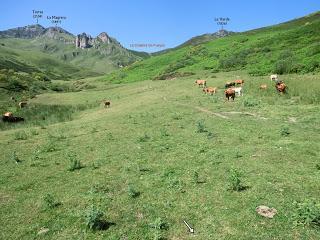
(190, 229)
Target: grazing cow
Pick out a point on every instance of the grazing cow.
(229, 84)
(263, 86)
(281, 87)
(230, 93)
(238, 90)
(210, 90)
(106, 103)
(239, 82)
(273, 77)
(8, 117)
(23, 104)
(201, 83)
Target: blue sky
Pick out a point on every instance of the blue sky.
(165, 22)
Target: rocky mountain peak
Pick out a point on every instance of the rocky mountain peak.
(29, 31)
(222, 33)
(104, 37)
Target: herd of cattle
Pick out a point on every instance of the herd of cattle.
(232, 89)
(235, 88)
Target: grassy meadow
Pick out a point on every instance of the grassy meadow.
(164, 152)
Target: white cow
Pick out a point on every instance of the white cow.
(238, 91)
(274, 77)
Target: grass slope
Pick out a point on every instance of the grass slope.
(160, 155)
(291, 47)
(19, 55)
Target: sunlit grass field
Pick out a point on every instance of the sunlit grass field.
(163, 153)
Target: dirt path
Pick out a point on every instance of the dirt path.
(220, 114)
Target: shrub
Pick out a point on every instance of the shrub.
(50, 202)
(307, 213)
(159, 224)
(283, 66)
(132, 192)
(93, 218)
(318, 166)
(50, 146)
(164, 132)
(201, 127)
(15, 158)
(284, 131)
(195, 177)
(235, 180)
(75, 164)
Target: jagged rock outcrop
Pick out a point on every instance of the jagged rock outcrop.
(104, 37)
(86, 41)
(83, 41)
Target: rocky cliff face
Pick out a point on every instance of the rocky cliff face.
(86, 41)
(83, 41)
(104, 37)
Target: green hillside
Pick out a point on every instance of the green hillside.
(53, 51)
(291, 47)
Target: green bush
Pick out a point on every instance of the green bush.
(307, 213)
(284, 131)
(50, 202)
(201, 128)
(15, 158)
(93, 218)
(235, 180)
(159, 224)
(132, 192)
(75, 164)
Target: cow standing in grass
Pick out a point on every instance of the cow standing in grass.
(274, 77)
(106, 103)
(230, 93)
(210, 90)
(8, 117)
(238, 90)
(229, 84)
(201, 83)
(239, 82)
(281, 87)
(263, 86)
(23, 104)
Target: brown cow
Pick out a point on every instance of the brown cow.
(210, 90)
(23, 104)
(281, 87)
(8, 117)
(229, 84)
(201, 83)
(230, 93)
(106, 103)
(239, 82)
(263, 86)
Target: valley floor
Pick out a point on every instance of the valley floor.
(162, 153)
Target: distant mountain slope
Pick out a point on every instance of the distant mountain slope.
(291, 47)
(94, 55)
(198, 40)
